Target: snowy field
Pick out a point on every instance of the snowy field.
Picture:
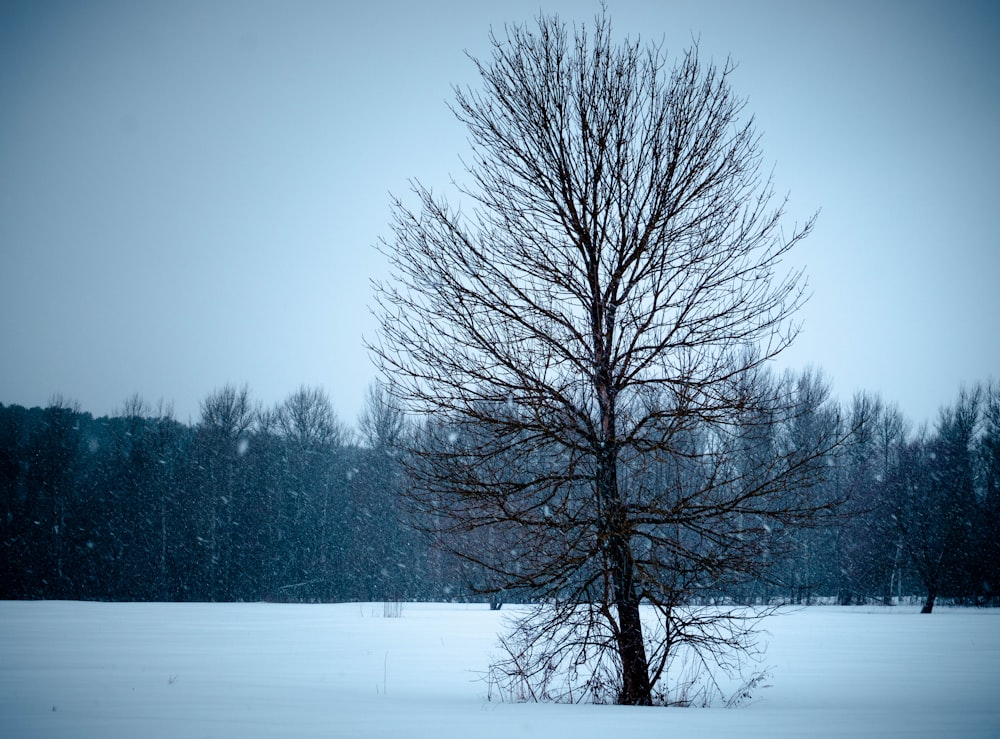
(252, 670)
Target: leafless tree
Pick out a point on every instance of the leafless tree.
(381, 425)
(227, 416)
(587, 333)
(314, 432)
(227, 413)
(307, 418)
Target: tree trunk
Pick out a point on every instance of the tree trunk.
(636, 690)
(929, 603)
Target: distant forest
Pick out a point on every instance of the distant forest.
(290, 504)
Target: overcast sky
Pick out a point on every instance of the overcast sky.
(190, 192)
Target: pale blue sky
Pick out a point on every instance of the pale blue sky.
(190, 192)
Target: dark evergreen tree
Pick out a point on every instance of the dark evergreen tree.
(987, 542)
(934, 501)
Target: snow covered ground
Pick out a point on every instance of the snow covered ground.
(251, 670)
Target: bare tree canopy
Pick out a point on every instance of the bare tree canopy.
(380, 424)
(588, 335)
(307, 417)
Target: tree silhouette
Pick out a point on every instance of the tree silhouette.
(600, 305)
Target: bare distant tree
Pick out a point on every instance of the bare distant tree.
(227, 414)
(587, 333)
(307, 418)
(314, 434)
(380, 423)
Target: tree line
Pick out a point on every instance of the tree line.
(291, 504)
(246, 504)
(920, 511)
